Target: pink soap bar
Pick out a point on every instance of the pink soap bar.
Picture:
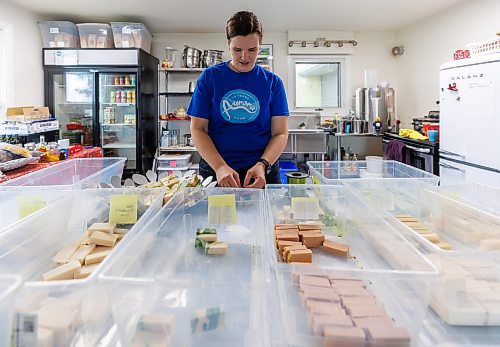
(343, 337)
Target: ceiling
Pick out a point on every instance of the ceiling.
(192, 16)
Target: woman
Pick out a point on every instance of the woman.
(239, 113)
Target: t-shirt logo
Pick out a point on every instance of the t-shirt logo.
(239, 106)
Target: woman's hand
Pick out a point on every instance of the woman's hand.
(257, 173)
(227, 177)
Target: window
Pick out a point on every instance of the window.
(318, 82)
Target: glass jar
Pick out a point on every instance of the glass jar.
(165, 140)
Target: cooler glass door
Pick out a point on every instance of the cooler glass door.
(73, 97)
(118, 116)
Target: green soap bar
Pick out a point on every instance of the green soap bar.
(201, 231)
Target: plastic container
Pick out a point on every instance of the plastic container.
(176, 161)
(8, 286)
(479, 195)
(129, 35)
(399, 277)
(70, 175)
(95, 35)
(341, 172)
(169, 276)
(286, 166)
(374, 164)
(59, 34)
(73, 309)
(464, 302)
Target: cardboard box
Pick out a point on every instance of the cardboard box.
(27, 113)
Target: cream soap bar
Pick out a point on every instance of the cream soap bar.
(106, 227)
(103, 238)
(62, 257)
(63, 272)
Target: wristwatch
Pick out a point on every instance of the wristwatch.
(267, 166)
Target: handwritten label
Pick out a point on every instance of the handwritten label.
(305, 208)
(123, 209)
(29, 204)
(222, 209)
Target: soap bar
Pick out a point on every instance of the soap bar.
(82, 252)
(285, 237)
(316, 281)
(106, 227)
(103, 238)
(84, 240)
(313, 240)
(121, 231)
(489, 244)
(282, 244)
(286, 226)
(385, 336)
(319, 322)
(300, 256)
(62, 257)
(433, 237)
(63, 272)
(207, 237)
(287, 250)
(86, 271)
(335, 248)
(216, 248)
(309, 226)
(343, 337)
(95, 258)
(444, 245)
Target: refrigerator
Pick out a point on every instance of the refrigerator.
(105, 98)
(470, 121)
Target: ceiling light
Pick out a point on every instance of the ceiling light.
(341, 44)
(328, 44)
(316, 44)
(304, 43)
(354, 43)
(290, 43)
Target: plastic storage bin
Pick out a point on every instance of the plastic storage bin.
(59, 34)
(163, 274)
(286, 166)
(392, 269)
(95, 35)
(128, 35)
(465, 304)
(339, 172)
(72, 309)
(174, 162)
(8, 286)
(70, 174)
(480, 195)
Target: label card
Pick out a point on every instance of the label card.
(28, 204)
(305, 208)
(25, 330)
(123, 209)
(222, 209)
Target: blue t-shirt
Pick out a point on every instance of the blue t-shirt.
(239, 107)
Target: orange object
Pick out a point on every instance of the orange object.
(335, 248)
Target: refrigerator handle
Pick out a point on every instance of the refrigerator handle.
(446, 166)
(416, 149)
(442, 151)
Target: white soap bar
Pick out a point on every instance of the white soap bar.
(45, 337)
(105, 227)
(84, 240)
(86, 271)
(82, 252)
(121, 231)
(63, 272)
(95, 258)
(64, 254)
(490, 244)
(99, 249)
(103, 238)
(463, 311)
(61, 322)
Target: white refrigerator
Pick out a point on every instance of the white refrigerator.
(470, 121)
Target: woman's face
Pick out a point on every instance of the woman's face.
(244, 51)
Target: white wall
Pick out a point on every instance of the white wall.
(431, 42)
(25, 69)
(373, 51)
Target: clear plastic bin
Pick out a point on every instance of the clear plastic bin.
(466, 308)
(339, 172)
(174, 161)
(129, 35)
(8, 286)
(399, 277)
(70, 175)
(17, 205)
(95, 35)
(163, 273)
(59, 34)
(72, 309)
(481, 195)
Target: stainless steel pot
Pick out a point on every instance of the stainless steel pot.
(191, 57)
(359, 126)
(211, 57)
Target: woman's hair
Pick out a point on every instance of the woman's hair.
(243, 23)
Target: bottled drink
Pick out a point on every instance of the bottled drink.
(117, 80)
(118, 97)
(112, 97)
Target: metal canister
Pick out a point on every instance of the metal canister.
(112, 97)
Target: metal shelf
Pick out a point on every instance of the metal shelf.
(120, 104)
(175, 93)
(118, 124)
(119, 145)
(178, 149)
(118, 85)
(195, 69)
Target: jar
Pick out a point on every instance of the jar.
(165, 140)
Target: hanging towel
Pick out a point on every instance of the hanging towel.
(396, 150)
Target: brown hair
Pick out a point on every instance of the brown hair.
(243, 23)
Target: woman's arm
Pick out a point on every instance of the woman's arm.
(226, 177)
(279, 138)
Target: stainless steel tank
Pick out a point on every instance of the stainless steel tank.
(373, 103)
